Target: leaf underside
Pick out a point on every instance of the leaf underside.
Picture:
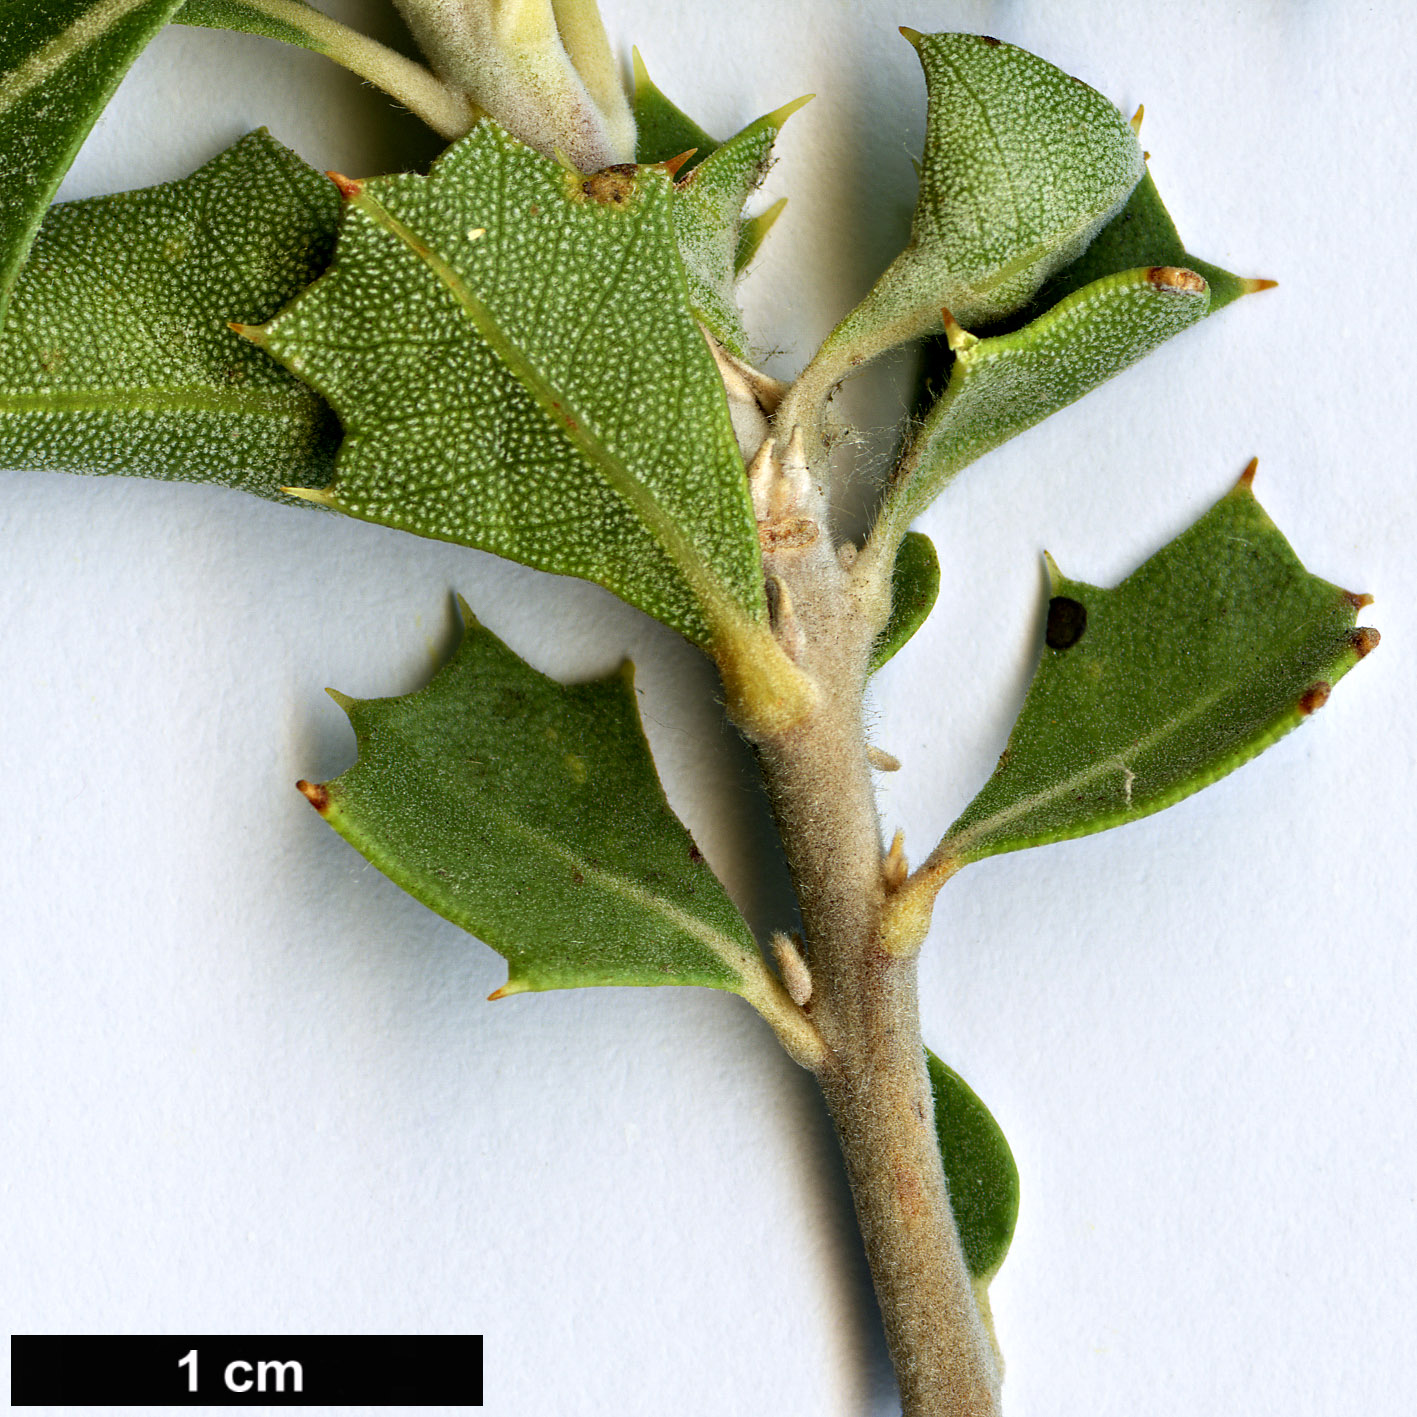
(979, 1170)
(528, 812)
(511, 350)
(915, 584)
(60, 62)
(1001, 386)
(1208, 653)
(117, 357)
(248, 19)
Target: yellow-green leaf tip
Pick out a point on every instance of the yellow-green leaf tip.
(779, 116)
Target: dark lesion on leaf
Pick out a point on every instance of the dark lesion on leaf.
(315, 794)
(613, 185)
(1314, 697)
(1067, 619)
(1364, 640)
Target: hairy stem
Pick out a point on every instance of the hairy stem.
(863, 999)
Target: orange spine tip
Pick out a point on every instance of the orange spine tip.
(497, 994)
(349, 189)
(672, 164)
(1136, 118)
(315, 794)
(1247, 478)
(914, 36)
(1254, 286)
(1359, 600)
(254, 333)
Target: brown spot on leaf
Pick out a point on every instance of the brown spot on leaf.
(1364, 641)
(316, 794)
(1067, 619)
(1314, 697)
(991, 41)
(1175, 278)
(577, 879)
(695, 855)
(612, 185)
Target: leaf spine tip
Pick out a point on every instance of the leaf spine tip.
(1055, 576)
(1359, 600)
(672, 164)
(1137, 117)
(349, 188)
(1247, 478)
(779, 116)
(343, 700)
(958, 337)
(255, 333)
(321, 496)
(1252, 285)
(504, 992)
(914, 36)
(1364, 640)
(315, 794)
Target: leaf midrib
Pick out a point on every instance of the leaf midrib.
(718, 605)
(957, 847)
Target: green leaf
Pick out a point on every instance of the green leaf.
(577, 424)
(1023, 166)
(282, 20)
(1000, 386)
(1142, 234)
(708, 223)
(1212, 650)
(915, 583)
(663, 130)
(118, 357)
(528, 813)
(60, 61)
(754, 231)
(979, 1169)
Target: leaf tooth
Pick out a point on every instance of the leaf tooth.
(1136, 118)
(1055, 576)
(672, 164)
(1247, 478)
(1251, 285)
(959, 338)
(1364, 640)
(779, 116)
(1359, 600)
(349, 187)
(316, 794)
(321, 496)
(343, 700)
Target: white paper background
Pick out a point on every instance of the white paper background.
(250, 1087)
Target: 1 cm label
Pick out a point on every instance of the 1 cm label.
(241, 1376)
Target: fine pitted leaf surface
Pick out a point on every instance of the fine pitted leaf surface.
(1142, 234)
(979, 1169)
(999, 387)
(1023, 166)
(1210, 651)
(254, 19)
(708, 223)
(117, 357)
(528, 812)
(60, 61)
(511, 350)
(915, 583)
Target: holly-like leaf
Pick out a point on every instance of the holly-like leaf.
(979, 1169)
(60, 61)
(1142, 234)
(528, 813)
(1023, 166)
(662, 129)
(915, 583)
(1000, 386)
(117, 357)
(511, 350)
(708, 223)
(1209, 652)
